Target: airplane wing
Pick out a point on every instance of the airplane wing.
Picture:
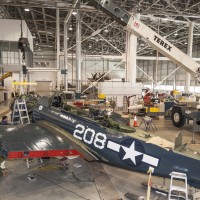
(40, 136)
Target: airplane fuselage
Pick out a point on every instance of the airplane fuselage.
(119, 149)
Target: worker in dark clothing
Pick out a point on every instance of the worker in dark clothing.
(4, 121)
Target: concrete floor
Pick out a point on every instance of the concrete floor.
(82, 180)
(91, 181)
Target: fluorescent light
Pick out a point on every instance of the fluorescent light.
(26, 9)
(70, 28)
(74, 12)
(175, 33)
(106, 30)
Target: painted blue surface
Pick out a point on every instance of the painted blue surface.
(130, 153)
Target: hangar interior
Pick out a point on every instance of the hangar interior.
(135, 60)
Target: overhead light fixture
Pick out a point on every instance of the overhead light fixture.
(74, 12)
(70, 28)
(185, 43)
(26, 9)
(175, 33)
(106, 30)
(67, 38)
(165, 19)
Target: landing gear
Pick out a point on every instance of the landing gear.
(178, 118)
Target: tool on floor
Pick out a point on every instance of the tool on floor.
(178, 192)
(148, 123)
(133, 196)
(20, 112)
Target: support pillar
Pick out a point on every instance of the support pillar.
(189, 53)
(78, 52)
(58, 47)
(66, 24)
(29, 87)
(21, 79)
(65, 78)
(131, 50)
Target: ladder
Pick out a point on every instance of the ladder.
(178, 192)
(20, 112)
(125, 102)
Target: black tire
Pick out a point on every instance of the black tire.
(178, 118)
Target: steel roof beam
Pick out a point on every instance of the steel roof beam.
(45, 24)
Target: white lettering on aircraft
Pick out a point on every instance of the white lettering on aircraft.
(68, 118)
(89, 136)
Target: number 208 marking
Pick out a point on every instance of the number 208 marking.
(89, 136)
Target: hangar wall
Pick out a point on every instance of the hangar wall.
(11, 31)
(99, 65)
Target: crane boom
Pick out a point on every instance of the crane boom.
(6, 75)
(156, 41)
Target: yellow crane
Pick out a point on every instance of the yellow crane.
(6, 75)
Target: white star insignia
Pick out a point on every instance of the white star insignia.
(131, 153)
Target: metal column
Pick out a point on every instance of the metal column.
(58, 46)
(189, 53)
(78, 52)
(65, 56)
(132, 58)
(67, 18)
(21, 79)
(131, 66)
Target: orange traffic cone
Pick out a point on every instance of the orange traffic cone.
(135, 121)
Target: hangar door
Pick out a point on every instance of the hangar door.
(44, 87)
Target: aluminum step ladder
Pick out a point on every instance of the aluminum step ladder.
(175, 191)
(125, 104)
(20, 112)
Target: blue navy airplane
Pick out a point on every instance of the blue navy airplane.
(74, 130)
(76, 134)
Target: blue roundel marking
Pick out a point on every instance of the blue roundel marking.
(131, 152)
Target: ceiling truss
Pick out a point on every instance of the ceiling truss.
(168, 17)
